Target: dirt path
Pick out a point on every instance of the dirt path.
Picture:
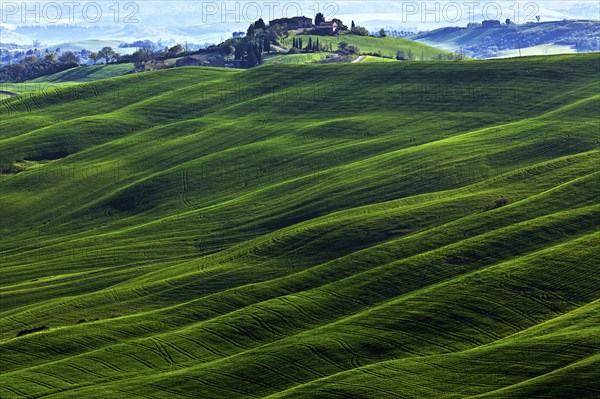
(359, 59)
(279, 49)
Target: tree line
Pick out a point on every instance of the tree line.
(32, 67)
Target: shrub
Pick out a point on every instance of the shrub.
(361, 31)
(11, 169)
(500, 202)
(32, 330)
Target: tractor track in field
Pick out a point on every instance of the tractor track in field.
(107, 365)
(207, 347)
(95, 89)
(185, 188)
(14, 390)
(354, 357)
(84, 370)
(8, 93)
(315, 351)
(38, 382)
(162, 351)
(57, 377)
(277, 314)
(265, 120)
(176, 348)
(37, 102)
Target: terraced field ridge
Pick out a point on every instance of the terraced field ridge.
(376, 230)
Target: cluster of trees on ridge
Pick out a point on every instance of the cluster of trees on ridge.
(32, 67)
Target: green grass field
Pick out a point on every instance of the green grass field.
(543, 38)
(69, 77)
(370, 59)
(87, 73)
(378, 230)
(369, 44)
(544, 49)
(307, 58)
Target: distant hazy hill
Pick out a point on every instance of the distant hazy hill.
(545, 37)
(76, 37)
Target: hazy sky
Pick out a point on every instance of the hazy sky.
(419, 14)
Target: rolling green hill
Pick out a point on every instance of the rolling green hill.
(376, 230)
(567, 36)
(307, 58)
(87, 73)
(387, 46)
(68, 77)
(370, 59)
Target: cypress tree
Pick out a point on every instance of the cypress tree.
(260, 24)
(239, 51)
(251, 60)
(258, 50)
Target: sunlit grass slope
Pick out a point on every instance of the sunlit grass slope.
(68, 77)
(305, 231)
(308, 58)
(387, 46)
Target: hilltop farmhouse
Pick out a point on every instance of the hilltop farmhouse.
(293, 23)
(490, 23)
(327, 27)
